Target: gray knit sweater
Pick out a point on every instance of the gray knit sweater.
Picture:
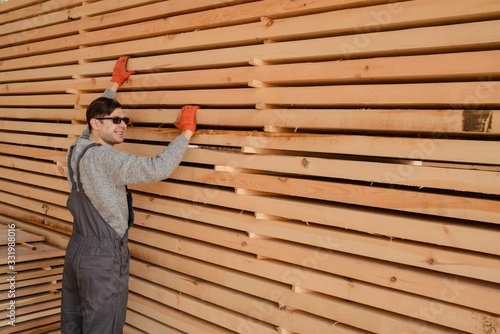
(106, 171)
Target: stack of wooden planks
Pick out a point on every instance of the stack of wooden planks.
(344, 177)
(30, 274)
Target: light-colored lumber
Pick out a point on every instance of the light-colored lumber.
(183, 322)
(367, 19)
(431, 39)
(148, 325)
(455, 262)
(197, 20)
(319, 304)
(445, 260)
(32, 299)
(342, 177)
(55, 232)
(46, 181)
(128, 329)
(26, 325)
(477, 209)
(33, 165)
(13, 5)
(47, 271)
(279, 314)
(38, 9)
(23, 254)
(34, 152)
(421, 67)
(438, 232)
(45, 114)
(393, 226)
(21, 236)
(39, 205)
(425, 95)
(37, 140)
(450, 289)
(222, 317)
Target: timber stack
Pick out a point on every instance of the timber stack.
(344, 177)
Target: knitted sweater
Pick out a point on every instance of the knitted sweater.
(106, 171)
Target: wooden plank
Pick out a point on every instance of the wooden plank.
(389, 16)
(276, 313)
(452, 316)
(320, 281)
(30, 309)
(414, 254)
(180, 322)
(450, 261)
(424, 95)
(38, 9)
(56, 232)
(21, 236)
(110, 19)
(49, 100)
(41, 206)
(128, 329)
(25, 320)
(217, 315)
(389, 171)
(43, 114)
(47, 181)
(456, 37)
(423, 202)
(13, 5)
(49, 329)
(30, 300)
(34, 152)
(32, 274)
(432, 67)
(48, 128)
(32, 165)
(25, 25)
(29, 324)
(33, 290)
(333, 48)
(439, 149)
(45, 265)
(428, 230)
(43, 251)
(36, 140)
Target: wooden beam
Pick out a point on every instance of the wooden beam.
(401, 42)
(320, 305)
(208, 312)
(318, 280)
(423, 202)
(427, 230)
(373, 18)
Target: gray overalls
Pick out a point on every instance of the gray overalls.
(96, 267)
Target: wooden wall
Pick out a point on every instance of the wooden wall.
(345, 177)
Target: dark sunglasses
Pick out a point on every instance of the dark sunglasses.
(116, 120)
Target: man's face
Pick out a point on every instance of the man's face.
(109, 133)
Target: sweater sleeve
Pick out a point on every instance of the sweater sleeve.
(109, 94)
(130, 169)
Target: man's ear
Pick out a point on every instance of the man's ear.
(94, 124)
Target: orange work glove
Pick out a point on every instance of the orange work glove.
(187, 119)
(120, 74)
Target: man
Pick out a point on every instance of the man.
(96, 268)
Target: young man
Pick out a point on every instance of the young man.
(96, 268)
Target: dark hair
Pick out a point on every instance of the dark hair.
(101, 107)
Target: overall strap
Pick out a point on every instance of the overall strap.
(78, 176)
(71, 174)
